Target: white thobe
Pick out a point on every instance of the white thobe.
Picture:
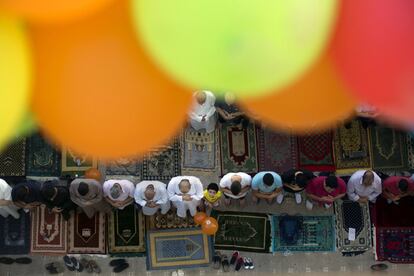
(176, 196)
(206, 109)
(5, 194)
(225, 182)
(127, 186)
(160, 197)
(355, 188)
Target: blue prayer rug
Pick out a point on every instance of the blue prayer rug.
(15, 234)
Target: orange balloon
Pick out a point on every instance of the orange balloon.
(93, 173)
(46, 11)
(209, 226)
(199, 218)
(318, 101)
(97, 92)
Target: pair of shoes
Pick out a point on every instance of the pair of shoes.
(248, 263)
(119, 265)
(237, 260)
(72, 264)
(54, 268)
(8, 261)
(217, 260)
(225, 264)
(90, 266)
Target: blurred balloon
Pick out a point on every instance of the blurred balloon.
(15, 76)
(245, 47)
(209, 226)
(93, 173)
(50, 11)
(373, 48)
(199, 218)
(98, 93)
(27, 125)
(319, 100)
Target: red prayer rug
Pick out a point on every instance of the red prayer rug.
(87, 236)
(49, 232)
(315, 152)
(395, 244)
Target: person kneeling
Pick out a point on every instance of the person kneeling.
(324, 190)
(397, 187)
(266, 185)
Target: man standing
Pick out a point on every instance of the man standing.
(119, 193)
(6, 204)
(152, 196)
(27, 194)
(88, 194)
(396, 187)
(324, 190)
(235, 186)
(185, 193)
(267, 186)
(203, 114)
(364, 186)
(57, 198)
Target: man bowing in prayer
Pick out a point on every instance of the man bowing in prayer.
(6, 204)
(152, 196)
(185, 192)
(203, 114)
(119, 193)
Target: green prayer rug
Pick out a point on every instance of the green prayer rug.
(303, 233)
(242, 231)
(42, 159)
(73, 163)
(12, 159)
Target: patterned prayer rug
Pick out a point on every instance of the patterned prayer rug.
(87, 236)
(42, 159)
(242, 231)
(168, 221)
(73, 163)
(174, 249)
(410, 148)
(389, 149)
(124, 166)
(392, 215)
(49, 232)
(15, 235)
(351, 147)
(276, 151)
(315, 152)
(162, 163)
(126, 231)
(395, 244)
(238, 149)
(303, 233)
(12, 159)
(354, 215)
(200, 150)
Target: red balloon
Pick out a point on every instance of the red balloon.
(93, 173)
(374, 49)
(199, 218)
(209, 226)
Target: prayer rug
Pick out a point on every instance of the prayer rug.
(12, 159)
(315, 152)
(168, 221)
(392, 215)
(87, 236)
(389, 149)
(276, 151)
(303, 233)
(238, 149)
(124, 166)
(49, 232)
(73, 163)
(162, 163)
(351, 147)
(350, 214)
(126, 231)
(410, 148)
(15, 235)
(242, 231)
(42, 159)
(200, 150)
(395, 244)
(174, 249)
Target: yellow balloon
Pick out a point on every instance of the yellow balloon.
(248, 47)
(14, 76)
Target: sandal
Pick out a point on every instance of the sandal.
(217, 260)
(379, 267)
(23, 260)
(234, 257)
(6, 260)
(239, 264)
(225, 263)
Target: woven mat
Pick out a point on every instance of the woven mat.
(124, 166)
(238, 149)
(12, 159)
(354, 215)
(395, 244)
(73, 163)
(168, 221)
(15, 235)
(49, 232)
(126, 231)
(87, 236)
(42, 159)
(315, 152)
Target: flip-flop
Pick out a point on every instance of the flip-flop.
(225, 263)
(86, 265)
(76, 264)
(379, 267)
(234, 257)
(217, 260)
(23, 260)
(6, 260)
(239, 264)
(68, 263)
(96, 269)
(54, 268)
(117, 262)
(120, 267)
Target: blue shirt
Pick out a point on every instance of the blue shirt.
(257, 182)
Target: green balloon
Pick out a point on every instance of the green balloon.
(248, 47)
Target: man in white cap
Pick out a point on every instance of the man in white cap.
(185, 193)
(119, 193)
(203, 114)
(6, 203)
(152, 196)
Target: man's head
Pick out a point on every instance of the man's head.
(201, 97)
(268, 179)
(149, 192)
(212, 189)
(83, 189)
(301, 180)
(49, 190)
(116, 190)
(184, 186)
(331, 183)
(235, 187)
(368, 178)
(21, 193)
(403, 186)
(229, 98)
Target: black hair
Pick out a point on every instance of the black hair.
(235, 187)
(213, 186)
(403, 185)
(331, 182)
(268, 179)
(83, 188)
(48, 189)
(21, 193)
(301, 180)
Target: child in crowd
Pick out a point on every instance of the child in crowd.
(211, 198)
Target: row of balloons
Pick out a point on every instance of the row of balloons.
(112, 78)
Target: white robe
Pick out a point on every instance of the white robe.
(5, 194)
(160, 197)
(175, 195)
(208, 110)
